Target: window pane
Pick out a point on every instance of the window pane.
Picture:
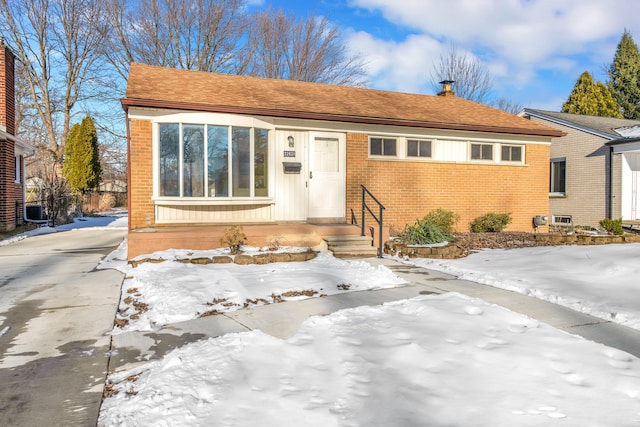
(506, 153)
(18, 163)
(375, 147)
(389, 147)
(475, 152)
(558, 177)
(169, 145)
(260, 153)
(511, 153)
(516, 154)
(425, 148)
(193, 161)
(218, 154)
(326, 153)
(412, 148)
(487, 152)
(241, 161)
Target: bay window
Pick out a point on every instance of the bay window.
(198, 160)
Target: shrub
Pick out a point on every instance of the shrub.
(444, 219)
(612, 226)
(490, 222)
(233, 238)
(423, 232)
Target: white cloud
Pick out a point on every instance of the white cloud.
(516, 39)
(404, 66)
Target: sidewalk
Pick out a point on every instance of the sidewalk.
(283, 320)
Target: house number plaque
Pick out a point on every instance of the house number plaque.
(289, 153)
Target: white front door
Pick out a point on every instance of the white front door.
(327, 177)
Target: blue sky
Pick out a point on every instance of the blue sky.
(534, 49)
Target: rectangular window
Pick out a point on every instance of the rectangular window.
(418, 148)
(260, 161)
(241, 161)
(198, 160)
(193, 161)
(481, 151)
(512, 153)
(169, 159)
(564, 220)
(558, 177)
(218, 161)
(18, 162)
(382, 146)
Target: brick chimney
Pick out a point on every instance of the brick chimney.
(7, 90)
(446, 88)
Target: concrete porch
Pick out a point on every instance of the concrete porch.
(203, 237)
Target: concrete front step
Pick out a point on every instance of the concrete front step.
(351, 246)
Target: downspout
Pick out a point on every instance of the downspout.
(610, 210)
(128, 136)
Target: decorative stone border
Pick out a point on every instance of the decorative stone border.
(522, 240)
(240, 259)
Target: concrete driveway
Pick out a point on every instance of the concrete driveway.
(55, 312)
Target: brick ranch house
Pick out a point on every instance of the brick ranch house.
(12, 149)
(208, 150)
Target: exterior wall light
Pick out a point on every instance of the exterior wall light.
(292, 142)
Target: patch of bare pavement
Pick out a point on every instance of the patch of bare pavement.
(56, 311)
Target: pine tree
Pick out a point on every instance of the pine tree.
(81, 160)
(592, 99)
(624, 77)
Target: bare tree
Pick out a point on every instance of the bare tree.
(200, 35)
(310, 50)
(56, 45)
(506, 105)
(472, 80)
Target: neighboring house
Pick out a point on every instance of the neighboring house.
(113, 186)
(211, 149)
(12, 149)
(593, 170)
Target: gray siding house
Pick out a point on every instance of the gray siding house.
(594, 171)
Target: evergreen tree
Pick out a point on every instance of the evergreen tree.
(81, 160)
(592, 99)
(624, 75)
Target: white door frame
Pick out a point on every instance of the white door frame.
(326, 195)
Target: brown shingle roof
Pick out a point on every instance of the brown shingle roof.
(150, 86)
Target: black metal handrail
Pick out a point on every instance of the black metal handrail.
(378, 218)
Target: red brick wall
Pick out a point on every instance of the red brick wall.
(9, 191)
(141, 208)
(409, 190)
(7, 90)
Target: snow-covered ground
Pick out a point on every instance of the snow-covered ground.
(436, 360)
(174, 291)
(603, 281)
(442, 360)
(113, 219)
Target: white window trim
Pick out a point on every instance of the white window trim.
(484, 161)
(558, 193)
(419, 158)
(513, 162)
(18, 167)
(465, 158)
(224, 120)
(564, 224)
(383, 156)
